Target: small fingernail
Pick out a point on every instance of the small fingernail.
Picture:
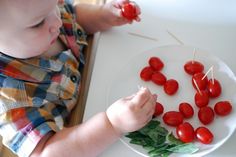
(142, 88)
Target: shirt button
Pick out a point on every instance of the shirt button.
(79, 32)
(73, 78)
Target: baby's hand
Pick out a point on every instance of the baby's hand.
(112, 11)
(132, 113)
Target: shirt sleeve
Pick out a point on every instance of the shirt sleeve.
(23, 128)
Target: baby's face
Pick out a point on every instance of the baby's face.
(28, 27)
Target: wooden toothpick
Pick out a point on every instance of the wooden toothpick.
(211, 69)
(175, 37)
(198, 89)
(194, 54)
(142, 36)
(212, 75)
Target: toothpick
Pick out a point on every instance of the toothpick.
(194, 53)
(174, 36)
(142, 36)
(212, 76)
(197, 86)
(211, 69)
(139, 87)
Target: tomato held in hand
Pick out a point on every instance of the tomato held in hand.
(204, 135)
(193, 67)
(158, 78)
(223, 108)
(171, 86)
(173, 118)
(206, 115)
(156, 63)
(146, 73)
(201, 83)
(186, 109)
(129, 11)
(185, 132)
(159, 109)
(201, 98)
(214, 88)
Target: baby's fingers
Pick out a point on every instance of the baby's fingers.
(141, 97)
(149, 106)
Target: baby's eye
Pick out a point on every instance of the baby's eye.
(39, 24)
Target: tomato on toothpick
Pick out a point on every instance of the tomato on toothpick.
(201, 81)
(156, 63)
(158, 78)
(129, 11)
(223, 108)
(214, 88)
(193, 67)
(171, 86)
(201, 99)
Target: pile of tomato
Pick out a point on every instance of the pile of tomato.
(206, 89)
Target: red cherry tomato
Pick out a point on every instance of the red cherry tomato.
(171, 86)
(201, 98)
(186, 109)
(185, 132)
(204, 135)
(158, 78)
(193, 67)
(206, 115)
(129, 11)
(146, 73)
(214, 88)
(159, 109)
(201, 83)
(173, 118)
(156, 63)
(223, 108)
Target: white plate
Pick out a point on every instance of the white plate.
(127, 80)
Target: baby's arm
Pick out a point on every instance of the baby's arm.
(95, 18)
(93, 136)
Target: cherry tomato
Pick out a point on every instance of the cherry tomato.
(186, 109)
(185, 132)
(159, 109)
(206, 115)
(171, 86)
(158, 78)
(193, 67)
(173, 118)
(204, 135)
(129, 11)
(201, 98)
(214, 88)
(156, 63)
(201, 83)
(146, 73)
(223, 108)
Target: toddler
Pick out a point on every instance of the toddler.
(40, 60)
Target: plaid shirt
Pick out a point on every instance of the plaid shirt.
(36, 93)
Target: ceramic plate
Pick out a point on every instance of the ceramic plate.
(127, 80)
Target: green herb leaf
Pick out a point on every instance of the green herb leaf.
(158, 142)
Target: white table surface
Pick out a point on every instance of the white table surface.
(208, 25)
